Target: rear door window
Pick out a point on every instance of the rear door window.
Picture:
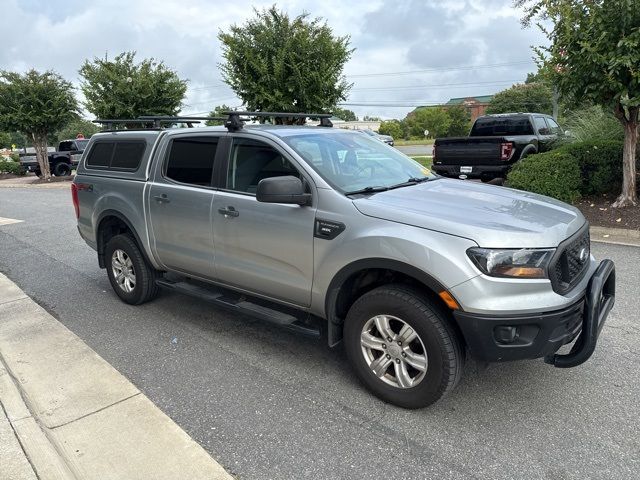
(190, 160)
(494, 126)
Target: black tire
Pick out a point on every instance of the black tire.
(441, 343)
(62, 170)
(145, 287)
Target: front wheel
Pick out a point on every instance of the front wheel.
(131, 277)
(402, 347)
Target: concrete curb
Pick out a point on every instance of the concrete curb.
(74, 415)
(617, 236)
(55, 185)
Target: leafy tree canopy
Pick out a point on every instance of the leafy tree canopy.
(122, 88)
(534, 97)
(36, 104)
(344, 114)
(277, 63)
(217, 112)
(391, 127)
(594, 55)
(75, 127)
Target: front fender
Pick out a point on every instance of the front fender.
(435, 259)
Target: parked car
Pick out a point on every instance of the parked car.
(388, 139)
(320, 229)
(62, 161)
(495, 143)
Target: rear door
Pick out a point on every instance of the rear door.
(180, 196)
(264, 248)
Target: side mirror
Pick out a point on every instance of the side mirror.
(288, 189)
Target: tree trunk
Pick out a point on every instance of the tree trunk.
(628, 197)
(40, 145)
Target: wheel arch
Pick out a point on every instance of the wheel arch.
(530, 149)
(360, 276)
(113, 222)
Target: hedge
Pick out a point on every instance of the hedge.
(555, 173)
(573, 170)
(9, 166)
(600, 165)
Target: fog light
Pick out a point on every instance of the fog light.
(506, 334)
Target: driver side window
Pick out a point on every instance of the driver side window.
(251, 161)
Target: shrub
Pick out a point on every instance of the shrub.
(9, 166)
(600, 165)
(15, 157)
(554, 173)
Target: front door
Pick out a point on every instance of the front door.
(180, 199)
(264, 248)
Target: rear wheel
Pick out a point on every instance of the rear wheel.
(402, 347)
(131, 277)
(62, 170)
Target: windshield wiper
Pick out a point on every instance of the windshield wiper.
(410, 181)
(368, 190)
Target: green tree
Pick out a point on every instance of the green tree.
(523, 97)
(460, 121)
(217, 112)
(77, 126)
(594, 55)
(5, 140)
(121, 88)
(391, 127)
(276, 63)
(344, 114)
(36, 104)
(435, 119)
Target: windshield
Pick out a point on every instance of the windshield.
(350, 162)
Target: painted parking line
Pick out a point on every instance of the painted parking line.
(9, 221)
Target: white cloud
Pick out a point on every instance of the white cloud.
(389, 36)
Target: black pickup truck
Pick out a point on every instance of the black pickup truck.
(62, 161)
(495, 143)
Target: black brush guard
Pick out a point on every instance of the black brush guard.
(599, 299)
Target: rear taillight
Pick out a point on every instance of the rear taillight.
(506, 150)
(434, 154)
(74, 197)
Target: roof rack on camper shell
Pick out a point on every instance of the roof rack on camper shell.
(232, 120)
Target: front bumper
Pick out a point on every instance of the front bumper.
(497, 338)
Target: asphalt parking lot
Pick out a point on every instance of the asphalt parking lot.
(270, 404)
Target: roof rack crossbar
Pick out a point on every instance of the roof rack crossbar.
(234, 122)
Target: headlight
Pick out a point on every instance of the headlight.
(520, 263)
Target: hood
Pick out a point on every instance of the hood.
(386, 137)
(492, 216)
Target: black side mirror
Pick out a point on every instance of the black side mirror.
(288, 189)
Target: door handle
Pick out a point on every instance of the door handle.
(229, 212)
(162, 198)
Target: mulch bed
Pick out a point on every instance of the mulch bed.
(599, 213)
(7, 176)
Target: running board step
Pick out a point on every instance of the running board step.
(238, 302)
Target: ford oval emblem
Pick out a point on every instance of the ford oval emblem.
(584, 253)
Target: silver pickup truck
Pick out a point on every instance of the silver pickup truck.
(319, 229)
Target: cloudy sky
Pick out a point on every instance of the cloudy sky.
(408, 52)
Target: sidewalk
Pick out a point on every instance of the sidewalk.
(67, 414)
